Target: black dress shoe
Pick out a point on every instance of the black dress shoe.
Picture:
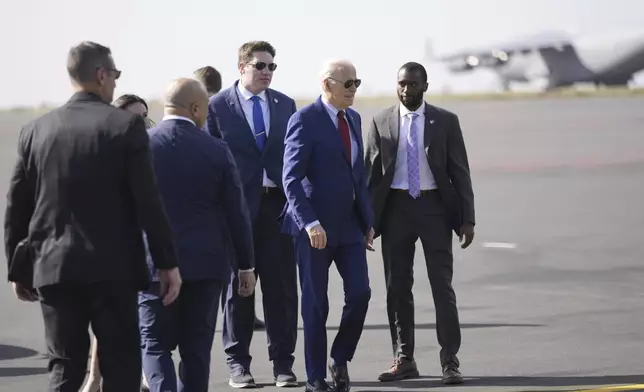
(451, 375)
(340, 376)
(258, 325)
(318, 386)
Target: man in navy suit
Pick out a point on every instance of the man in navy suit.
(252, 119)
(329, 214)
(204, 200)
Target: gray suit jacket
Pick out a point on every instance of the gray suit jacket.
(446, 155)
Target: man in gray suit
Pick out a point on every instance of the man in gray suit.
(419, 180)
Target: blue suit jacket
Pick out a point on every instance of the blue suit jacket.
(335, 193)
(226, 119)
(203, 198)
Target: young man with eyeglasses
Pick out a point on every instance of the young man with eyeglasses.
(252, 119)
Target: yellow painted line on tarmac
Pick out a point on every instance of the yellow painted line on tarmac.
(616, 388)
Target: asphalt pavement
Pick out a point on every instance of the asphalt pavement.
(550, 293)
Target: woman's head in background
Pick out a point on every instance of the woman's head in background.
(136, 105)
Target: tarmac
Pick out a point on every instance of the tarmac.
(550, 293)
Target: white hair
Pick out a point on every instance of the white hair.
(333, 66)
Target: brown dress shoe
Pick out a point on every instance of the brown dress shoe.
(451, 375)
(401, 369)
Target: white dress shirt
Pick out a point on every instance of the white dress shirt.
(175, 117)
(401, 178)
(247, 105)
(333, 113)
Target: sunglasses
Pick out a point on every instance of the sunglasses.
(349, 83)
(260, 65)
(117, 73)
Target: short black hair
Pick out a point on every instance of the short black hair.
(124, 101)
(210, 77)
(413, 66)
(84, 58)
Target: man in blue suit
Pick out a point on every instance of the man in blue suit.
(329, 214)
(202, 193)
(252, 119)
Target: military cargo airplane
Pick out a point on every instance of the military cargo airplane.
(555, 57)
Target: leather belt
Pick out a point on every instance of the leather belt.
(422, 192)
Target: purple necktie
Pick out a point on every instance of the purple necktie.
(413, 171)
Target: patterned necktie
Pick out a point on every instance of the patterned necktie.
(343, 128)
(413, 170)
(258, 123)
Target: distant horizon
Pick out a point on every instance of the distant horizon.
(563, 93)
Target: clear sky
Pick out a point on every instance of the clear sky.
(154, 41)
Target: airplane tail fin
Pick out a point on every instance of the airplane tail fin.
(564, 65)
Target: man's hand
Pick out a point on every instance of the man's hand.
(369, 239)
(247, 281)
(24, 294)
(467, 231)
(170, 280)
(317, 235)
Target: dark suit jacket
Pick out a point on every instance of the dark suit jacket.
(445, 152)
(203, 197)
(226, 119)
(335, 188)
(82, 190)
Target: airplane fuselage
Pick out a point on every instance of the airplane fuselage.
(561, 62)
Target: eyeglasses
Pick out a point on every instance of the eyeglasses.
(349, 83)
(117, 73)
(260, 65)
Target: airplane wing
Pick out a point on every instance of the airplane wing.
(495, 54)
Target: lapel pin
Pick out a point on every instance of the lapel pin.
(431, 121)
(275, 100)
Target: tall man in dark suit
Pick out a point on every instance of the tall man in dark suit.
(252, 118)
(200, 187)
(419, 179)
(82, 191)
(330, 216)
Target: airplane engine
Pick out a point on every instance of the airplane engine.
(463, 64)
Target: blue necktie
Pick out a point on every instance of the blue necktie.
(258, 123)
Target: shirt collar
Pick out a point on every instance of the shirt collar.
(333, 111)
(404, 111)
(175, 117)
(246, 95)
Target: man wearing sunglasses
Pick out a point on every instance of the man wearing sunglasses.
(252, 119)
(329, 215)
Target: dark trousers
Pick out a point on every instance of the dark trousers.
(277, 272)
(111, 309)
(189, 324)
(351, 263)
(405, 221)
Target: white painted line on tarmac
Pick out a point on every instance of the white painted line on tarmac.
(500, 245)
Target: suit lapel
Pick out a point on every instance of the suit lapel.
(236, 109)
(431, 127)
(356, 134)
(393, 127)
(273, 113)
